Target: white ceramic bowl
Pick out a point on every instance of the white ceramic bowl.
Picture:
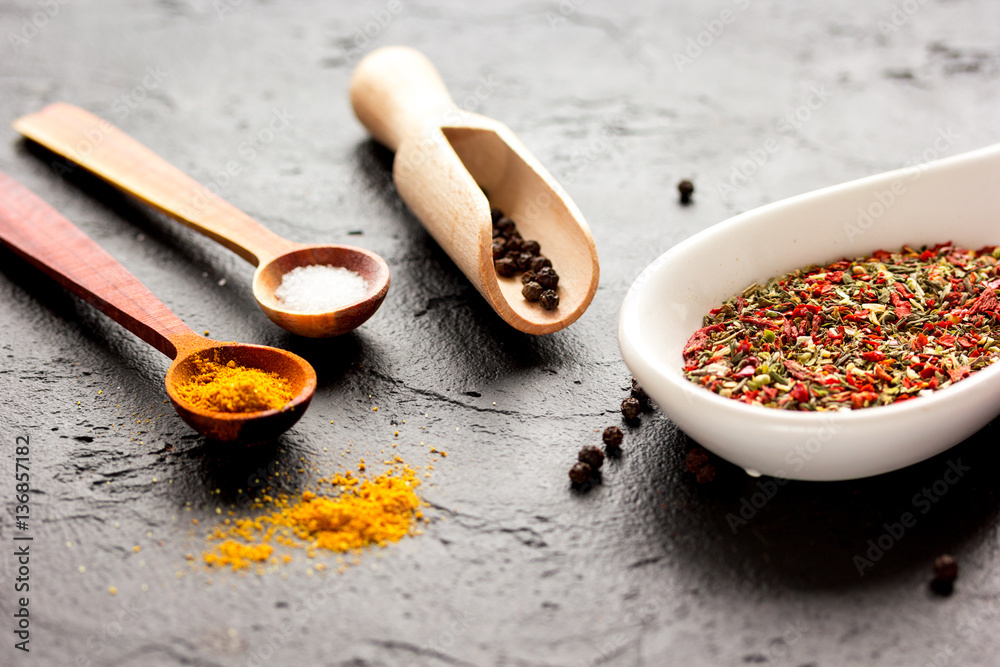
(956, 199)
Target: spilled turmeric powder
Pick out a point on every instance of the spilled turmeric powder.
(362, 512)
(230, 387)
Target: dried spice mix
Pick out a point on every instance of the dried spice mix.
(854, 334)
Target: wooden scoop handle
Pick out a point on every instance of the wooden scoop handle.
(102, 148)
(36, 232)
(395, 92)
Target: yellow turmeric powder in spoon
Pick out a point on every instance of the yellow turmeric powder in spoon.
(230, 387)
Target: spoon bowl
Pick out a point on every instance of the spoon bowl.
(243, 426)
(347, 317)
(954, 199)
(105, 150)
(36, 232)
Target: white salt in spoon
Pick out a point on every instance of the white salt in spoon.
(956, 199)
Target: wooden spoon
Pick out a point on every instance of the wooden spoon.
(446, 158)
(102, 148)
(36, 232)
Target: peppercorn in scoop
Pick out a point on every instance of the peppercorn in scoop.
(513, 255)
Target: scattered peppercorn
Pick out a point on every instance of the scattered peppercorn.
(631, 408)
(513, 245)
(580, 473)
(612, 437)
(945, 573)
(696, 459)
(532, 291)
(505, 267)
(549, 300)
(528, 277)
(495, 215)
(592, 456)
(705, 474)
(547, 277)
(639, 394)
(506, 226)
(499, 249)
(686, 188)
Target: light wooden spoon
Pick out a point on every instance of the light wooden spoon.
(446, 158)
(36, 232)
(102, 148)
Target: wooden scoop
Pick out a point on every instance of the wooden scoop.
(446, 158)
(36, 232)
(102, 148)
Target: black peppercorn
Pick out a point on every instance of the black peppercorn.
(506, 226)
(532, 291)
(495, 215)
(696, 459)
(592, 456)
(547, 277)
(612, 437)
(498, 249)
(945, 573)
(705, 474)
(505, 267)
(945, 567)
(640, 394)
(532, 247)
(631, 408)
(686, 188)
(523, 261)
(549, 300)
(580, 473)
(528, 277)
(513, 243)
(539, 263)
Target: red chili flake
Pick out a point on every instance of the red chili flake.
(986, 303)
(874, 355)
(900, 307)
(697, 341)
(800, 393)
(966, 342)
(882, 375)
(860, 398)
(928, 372)
(957, 374)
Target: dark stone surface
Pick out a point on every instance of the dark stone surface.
(515, 568)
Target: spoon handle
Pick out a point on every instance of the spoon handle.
(107, 151)
(395, 91)
(36, 232)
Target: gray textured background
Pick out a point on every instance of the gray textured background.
(515, 568)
